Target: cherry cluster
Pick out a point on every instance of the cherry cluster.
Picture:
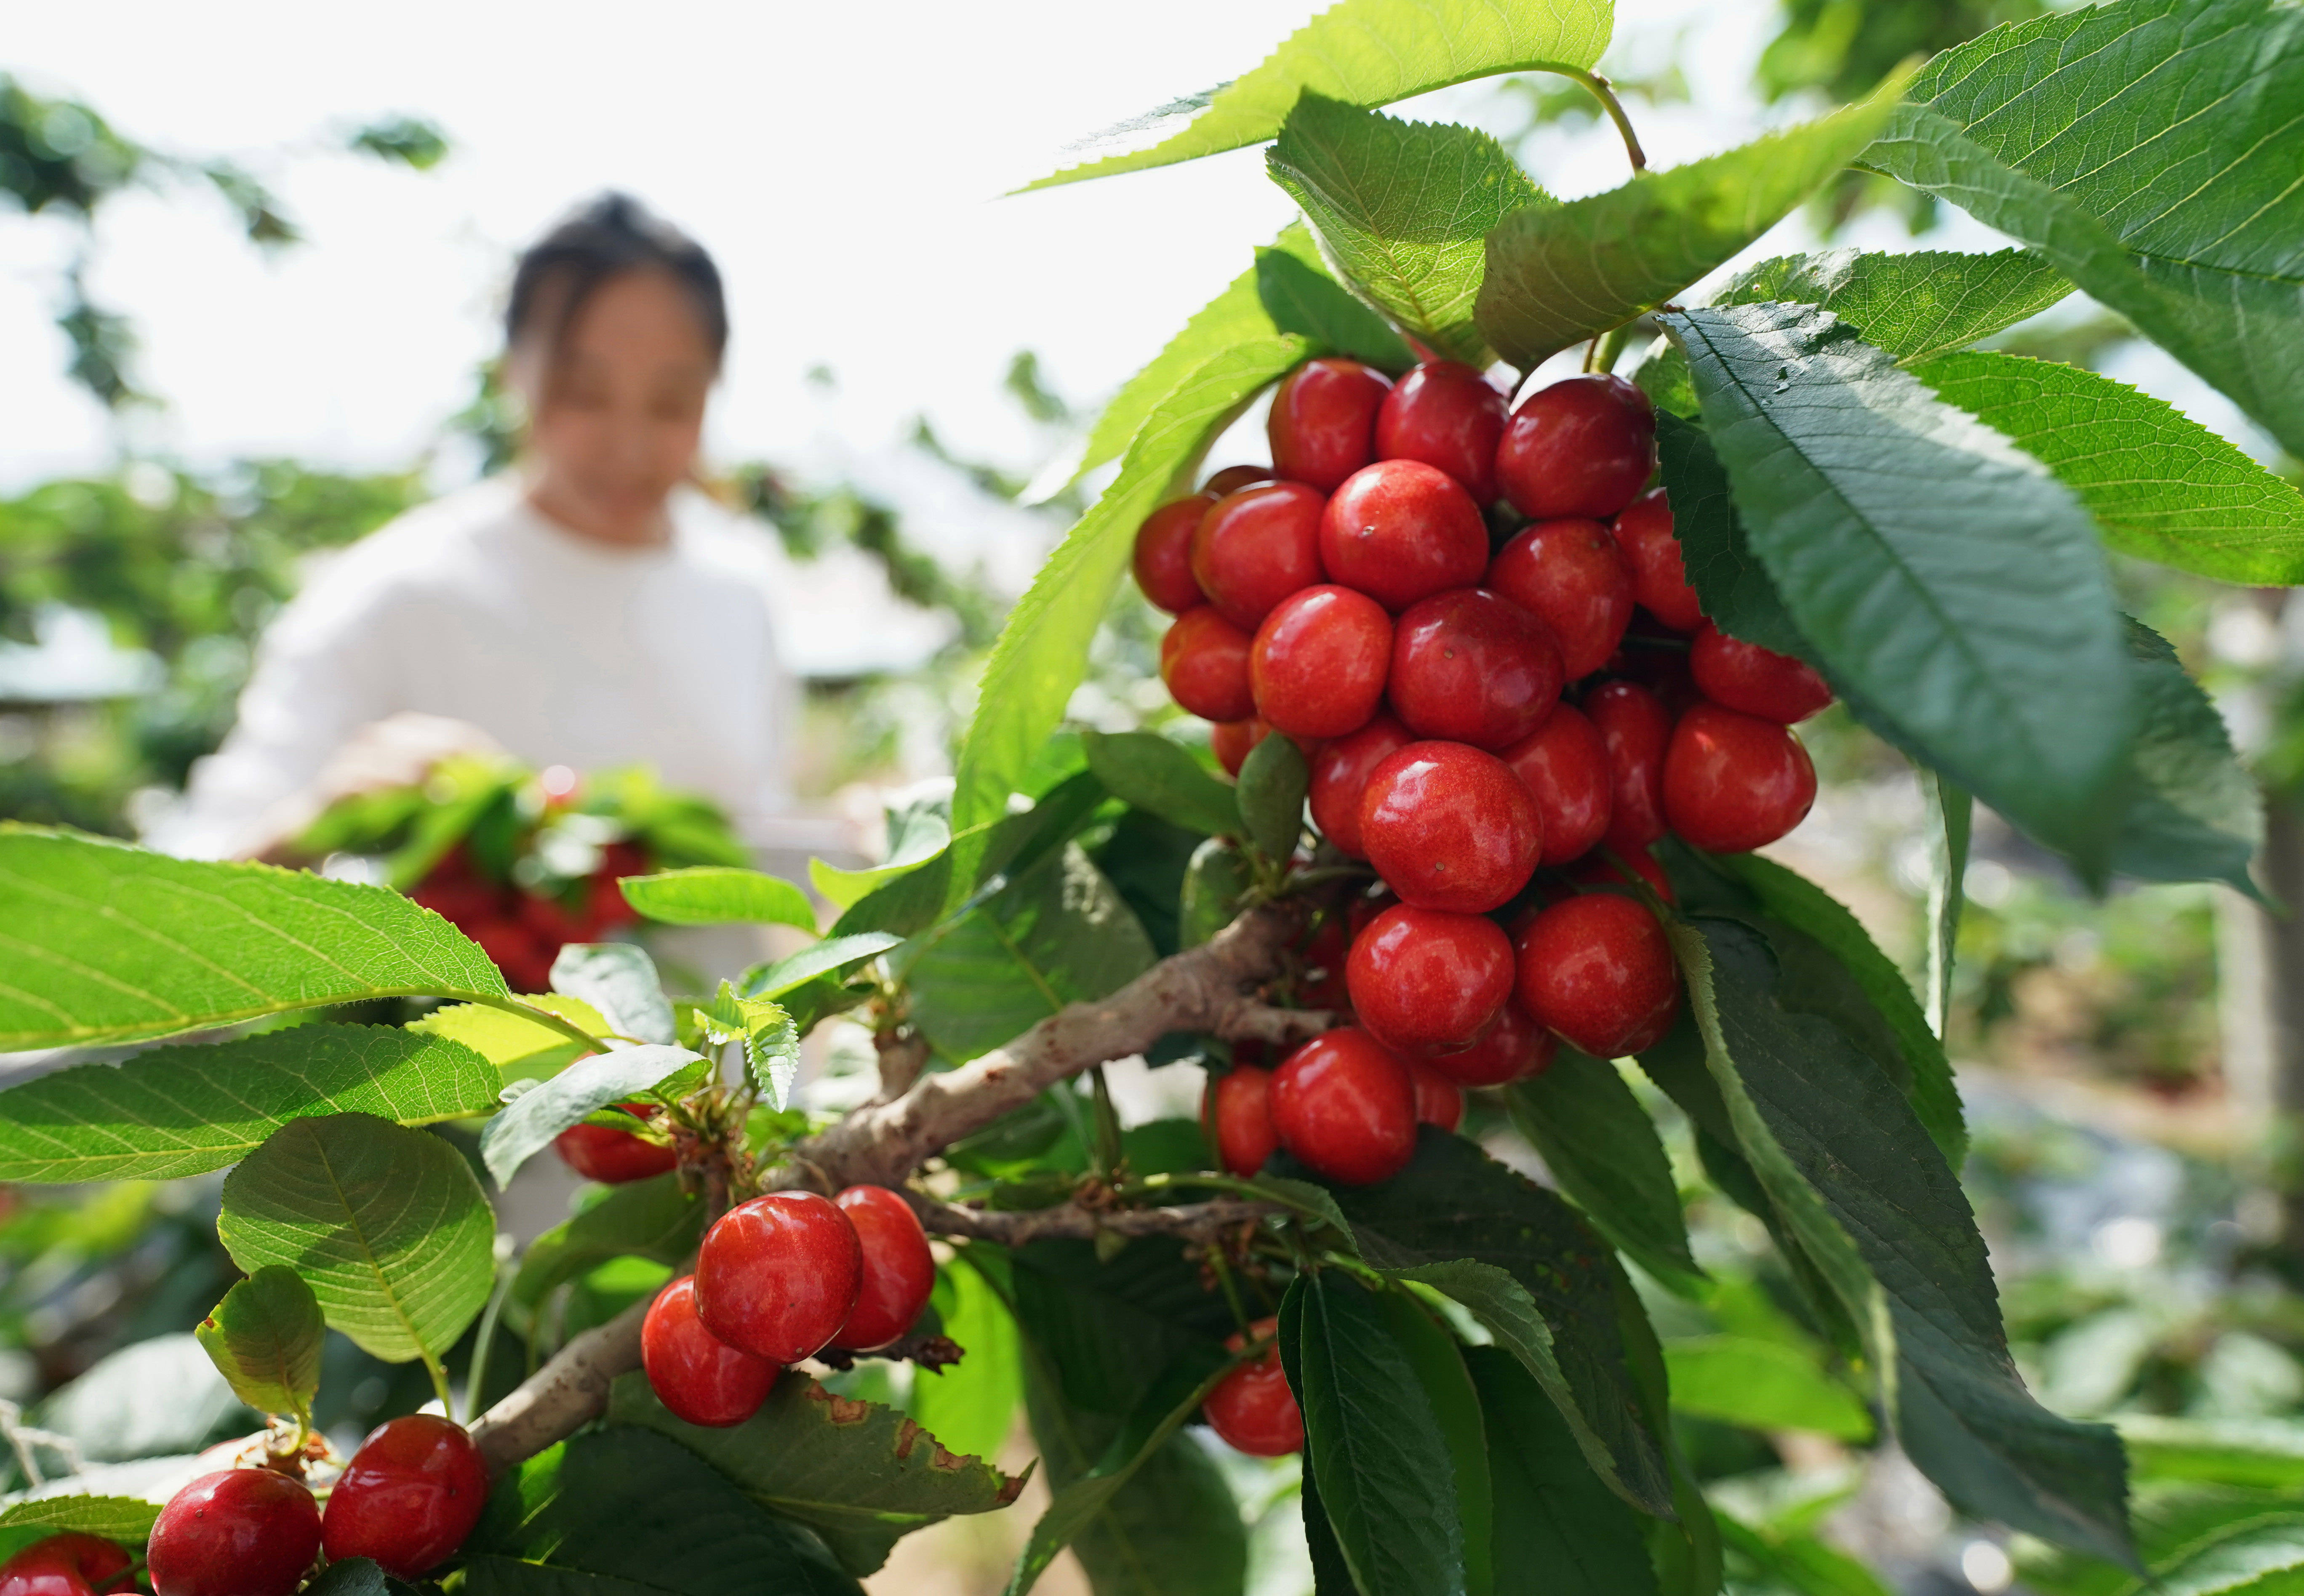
(1475, 622)
(780, 1279)
(524, 930)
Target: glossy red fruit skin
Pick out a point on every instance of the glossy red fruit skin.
(778, 1276)
(1439, 1101)
(408, 1498)
(1236, 1114)
(1317, 664)
(899, 1270)
(1636, 728)
(1569, 575)
(1449, 827)
(241, 1531)
(1448, 417)
(1597, 970)
(1231, 479)
(1345, 1104)
(1754, 681)
(1584, 446)
(614, 1157)
(1256, 546)
(1400, 531)
(1204, 661)
(1472, 667)
(1164, 553)
(1322, 427)
(1511, 1047)
(1340, 774)
(1734, 782)
(1251, 1409)
(1564, 764)
(1659, 576)
(1423, 980)
(71, 1564)
(1232, 741)
(699, 1377)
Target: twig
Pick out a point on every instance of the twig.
(1282, 1027)
(903, 1054)
(935, 1354)
(568, 1393)
(1070, 1219)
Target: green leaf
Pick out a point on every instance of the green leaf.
(106, 942)
(1042, 650)
(645, 1219)
(1852, 1172)
(834, 955)
(1303, 299)
(1801, 1564)
(861, 1475)
(1603, 1151)
(126, 1519)
(152, 1399)
(265, 1339)
(917, 835)
(1560, 274)
(1405, 207)
(1432, 1351)
(1364, 52)
(1973, 623)
(526, 1127)
(619, 981)
(770, 1037)
(715, 895)
(185, 1111)
(354, 1576)
(1273, 780)
(1951, 814)
(1107, 1329)
(2141, 148)
(1552, 1512)
(587, 1519)
(1916, 306)
(387, 1226)
(1734, 587)
(521, 1049)
(2193, 813)
(972, 1403)
(1214, 881)
(2262, 1453)
(1159, 776)
(1762, 1385)
(2161, 486)
(1685, 1548)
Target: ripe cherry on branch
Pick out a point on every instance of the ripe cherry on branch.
(1345, 1104)
(1256, 546)
(1164, 553)
(1450, 827)
(1569, 575)
(1449, 417)
(699, 1377)
(1400, 531)
(68, 1565)
(1204, 661)
(899, 1271)
(243, 1532)
(1599, 970)
(1236, 1115)
(408, 1498)
(1251, 1409)
(1317, 666)
(1322, 426)
(1473, 667)
(778, 1276)
(1423, 981)
(614, 1157)
(1584, 446)
(1659, 576)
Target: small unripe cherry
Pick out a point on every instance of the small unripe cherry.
(1232, 741)
(1733, 783)
(1345, 1105)
(1251, 1409)
(1754, 681)
(1564, 764)
(1584, 446)
(1599, 970)
(1423, 980)
(1635, 727)
(1570, 575)
(1511, 1047)
(1472, 667)
(1340, 776)
(1317, 664)
(1449, 827)
(1231, 479)
(1659, 574)
(241, 1531)
(777, 1276)
(614, 1157)
(409, 1496)
(1399, 530)
(1256, 546)
(899, 1270)
(70, 1564)
(1236, 1115)
(1447, 416)
(699, 1377)
(1204, 661)
(1322, 427)
(1164, 553)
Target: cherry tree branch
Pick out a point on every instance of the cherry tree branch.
(568, 1393)
(1073, 1221)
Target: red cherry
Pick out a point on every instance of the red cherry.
(699, 1377)
(1584, 446)
(1599, 970)
(550, 920)
(899, 1270)
(1322, 986)
(1635, 726)
(1252, 1409)
(1511, 1047)
(1564, 764)
(777, 1276)
(1423, 980)
(1362, 912)
(1449, 827)
(1439, 1101)
(1340, 774)
(1659, 576)
(1236, 1113)
(459, 898)
(1323, 423)
(1164, 553)
(1400, 531)
(1601, 870)
(1734, 782)
(1346, 1106)
(605, 907)
(1474, 668)
(408, 1498)
(1255, 547)
(1447, 416)
(526, 962)
(1319, 662)
(243, 1532)
(1232, 741)
(1758, 681)
(1571, 575)
(613, 1157)
(71, 1564)
(1204, 660)
(1231, 479)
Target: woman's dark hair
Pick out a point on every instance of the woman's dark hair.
(606, 238)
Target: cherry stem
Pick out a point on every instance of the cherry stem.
(476, 1371)
(440, 1386)
(1606, 93)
